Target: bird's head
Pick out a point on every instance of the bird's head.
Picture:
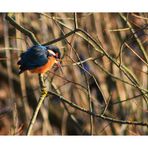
(55, 52)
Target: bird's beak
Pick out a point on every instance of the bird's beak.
(58, 63)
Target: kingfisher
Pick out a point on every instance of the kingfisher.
(39, 59)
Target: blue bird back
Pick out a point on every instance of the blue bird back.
(34, 57)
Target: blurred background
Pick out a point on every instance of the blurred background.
(89, 78)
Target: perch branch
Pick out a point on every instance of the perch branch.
(44, 93)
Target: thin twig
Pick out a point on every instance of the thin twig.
(98, 115)
(61, 37)
(136, 37)
(22, 29)
(118, 30)
(106, 106)
(117, 78)
(44, 93)
(136, 53)
(75, 21)
(88, 90)
(129, 99)
(140, 17)
(66, 108)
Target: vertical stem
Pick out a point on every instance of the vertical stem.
(44, 93)
(10, 77)
(20, 45)
(75, 21)
(90, 108)
(41, 81)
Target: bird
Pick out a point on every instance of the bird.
(39, 59)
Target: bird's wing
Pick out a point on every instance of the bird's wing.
(34, 57)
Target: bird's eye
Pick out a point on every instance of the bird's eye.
(57, 55)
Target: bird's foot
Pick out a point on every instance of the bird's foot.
(44, 90)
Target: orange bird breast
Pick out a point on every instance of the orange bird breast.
(45, 67)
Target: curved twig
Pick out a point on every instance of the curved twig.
(98, 115)
(22, 29)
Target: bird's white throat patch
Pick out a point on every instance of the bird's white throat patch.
(51, 52)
